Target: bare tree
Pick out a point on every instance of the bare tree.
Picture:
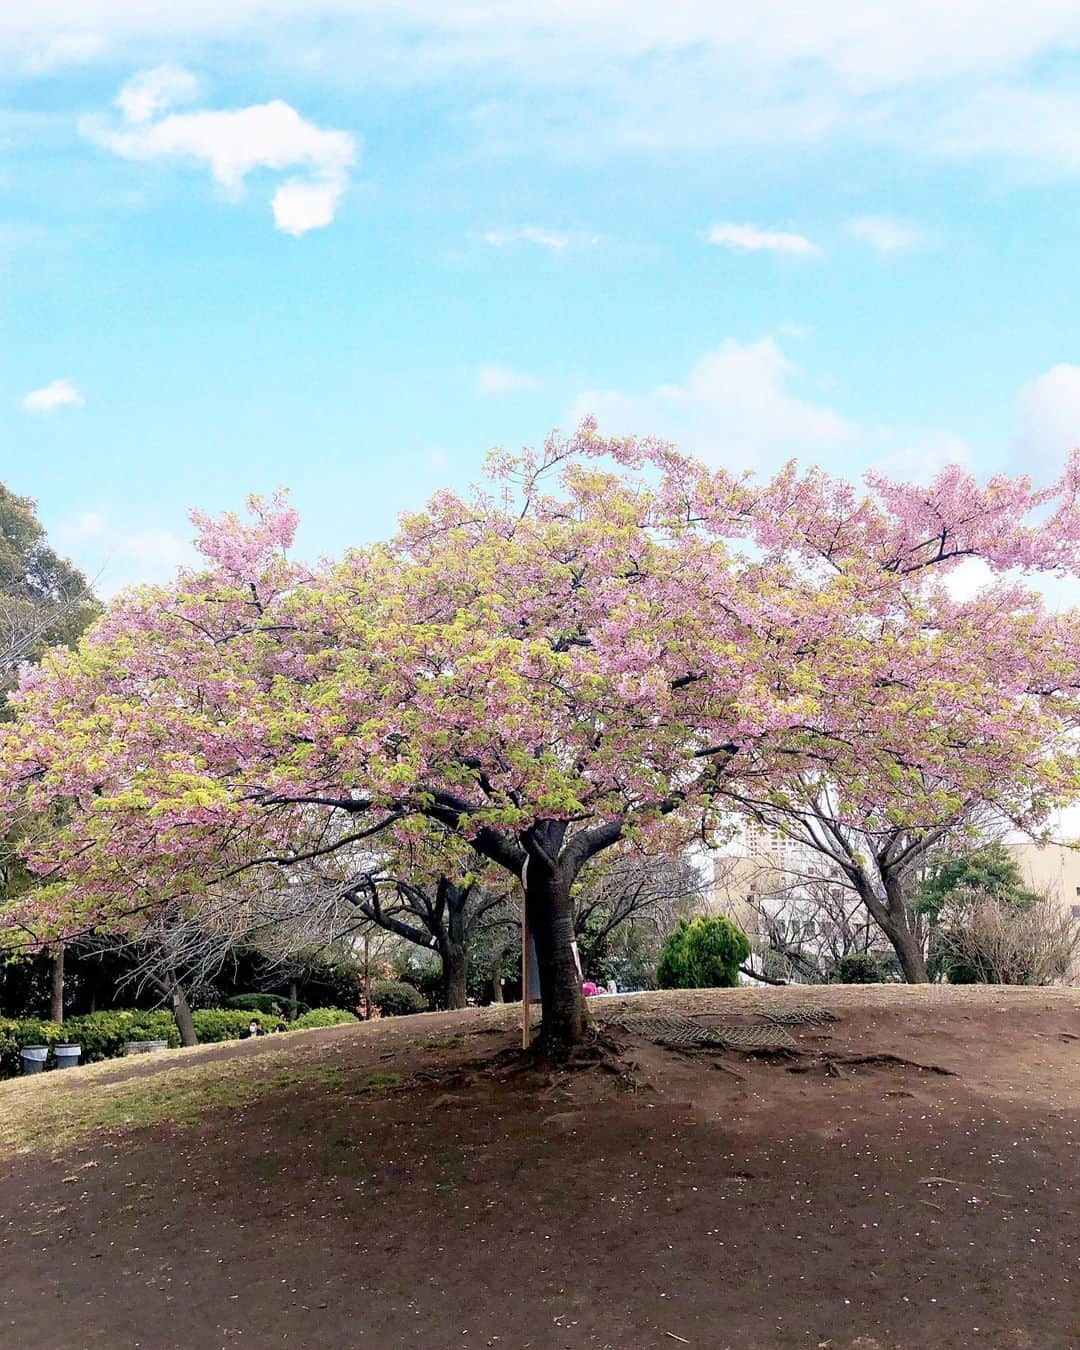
(805, 920)
(443, 914)
(879, 861)
(989, 941)
(631, 902)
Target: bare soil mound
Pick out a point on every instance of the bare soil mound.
(905, 1174)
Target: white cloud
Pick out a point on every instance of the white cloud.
(115, 556)
(753, 239)
(151, 92)
(496, 379)
(887, 234)
(233, 144)
(65, 49)
(1049, 419)
(735, 407)
(528, 234)
(57, 394)
(90, 525)
(961, 75)
(299, 206)
(918, 457)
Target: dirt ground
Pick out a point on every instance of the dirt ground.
(909, 1177)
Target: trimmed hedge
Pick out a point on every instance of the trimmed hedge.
(102, 1035)
(229, 1024)
(322, 1017)
(394, 998)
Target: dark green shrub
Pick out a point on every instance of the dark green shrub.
(426, 978)
(715, 949)
(322, 1017)
(229, 1024)
(395, 999)
(272, 1004)
(857, 968)
(671, 969)
(703, 954)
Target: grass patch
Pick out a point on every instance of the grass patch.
(55, 1111)
(381, 1078)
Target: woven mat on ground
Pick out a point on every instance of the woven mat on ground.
(683, 1033)
(794, 1017)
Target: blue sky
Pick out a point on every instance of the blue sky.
(347, 246)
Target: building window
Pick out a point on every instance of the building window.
(1076, 911)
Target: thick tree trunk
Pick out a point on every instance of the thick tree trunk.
(891, 916)
(56, 984)
(455, 970)
(496, 986)
(551, 924)
(293, 1009)
(181, 1011)
(907, 949)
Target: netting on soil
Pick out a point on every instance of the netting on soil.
(794, 1017)
(682, 1033)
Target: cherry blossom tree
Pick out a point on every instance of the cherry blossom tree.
(608, 641)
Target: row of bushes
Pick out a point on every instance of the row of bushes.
(229, 1024)
(103, 1035)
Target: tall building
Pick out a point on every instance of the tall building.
(1052, 869)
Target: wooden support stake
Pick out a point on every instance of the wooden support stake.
(526, 1030)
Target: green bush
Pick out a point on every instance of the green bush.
(703, 954)
(857, 968)
(17, 1032)
(671, 968)
(395, 999)
(273, 1004)
(322, 1017)
(103, 1035)
(229, 1024)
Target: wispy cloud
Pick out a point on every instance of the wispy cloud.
(737, 406)
(967, 78)
(753, 239)
(887, 234)
(529, 234)
(232, 143)
(496, 379)
(1049, 419)
(60, 50)
(119, 555)
(57, 394)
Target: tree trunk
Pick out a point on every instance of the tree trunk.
(181, 1011)
(551, 924)
(455, 969)
(496, 986)
(56, 984)
(907, 949)
(891, 916)
(293, 1009)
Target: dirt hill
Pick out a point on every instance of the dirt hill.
(847, 1167)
